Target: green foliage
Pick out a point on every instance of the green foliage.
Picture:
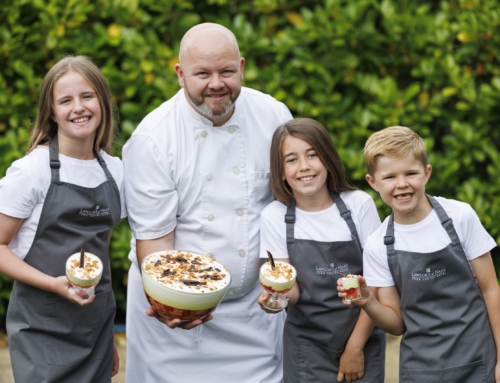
(356, 66)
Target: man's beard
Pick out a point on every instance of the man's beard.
(204, 109)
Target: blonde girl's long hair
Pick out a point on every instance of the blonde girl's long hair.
(45, 128)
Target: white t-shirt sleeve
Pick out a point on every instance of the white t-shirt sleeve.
(375, 265)
(475, 239)
(19, 192)
(150, 192)
(273, 232)
(368, 219)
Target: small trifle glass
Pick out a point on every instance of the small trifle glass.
(277, 280)
(84, 280)
(350, 284)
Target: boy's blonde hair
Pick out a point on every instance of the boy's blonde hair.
(395, 141)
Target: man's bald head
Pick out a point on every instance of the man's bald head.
(211, 71)
(206, 35)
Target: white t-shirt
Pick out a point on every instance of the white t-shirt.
(426, 236)
(23, 189)
(325, 225)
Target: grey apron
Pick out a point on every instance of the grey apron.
(448, 336)
(50, 338)
(318, 327)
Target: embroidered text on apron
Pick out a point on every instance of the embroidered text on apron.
(50, 338)
(448, 336)
(318, 327)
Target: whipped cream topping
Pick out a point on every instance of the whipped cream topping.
(92, 267)
(282, 272)
(350, 281)
(185, 271)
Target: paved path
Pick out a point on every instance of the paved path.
(391, 369)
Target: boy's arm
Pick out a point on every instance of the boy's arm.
(385, 312)
(484, 270)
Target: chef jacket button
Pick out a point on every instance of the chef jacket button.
(211, 217)
(204, 133)
(209, 176)
(236, 171)
(236, 290)
(231, 129)
(239, 212)
(242, 253)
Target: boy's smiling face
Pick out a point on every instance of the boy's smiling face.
(401, 185)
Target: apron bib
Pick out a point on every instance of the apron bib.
(50, 338)
(318, 327)
(448, 336)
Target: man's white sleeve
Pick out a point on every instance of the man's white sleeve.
(150, 192)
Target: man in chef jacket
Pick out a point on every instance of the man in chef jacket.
(197, 178)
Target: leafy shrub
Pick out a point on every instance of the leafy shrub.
(356, 66)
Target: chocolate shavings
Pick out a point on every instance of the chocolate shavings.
(190, 282)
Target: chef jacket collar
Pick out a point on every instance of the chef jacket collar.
(202, 122)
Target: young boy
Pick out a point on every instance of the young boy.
(422, 262)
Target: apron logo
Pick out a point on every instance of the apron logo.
(429, 274)
(94, 213)
(332, 269)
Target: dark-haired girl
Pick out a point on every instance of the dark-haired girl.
(319, 223)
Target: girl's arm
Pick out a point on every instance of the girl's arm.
(484, 270)
(385, 312)
(293, 295)
(352, 360)
(14, 267)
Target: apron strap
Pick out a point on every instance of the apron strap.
(290, 221)
(54, 159)
(446, 221)
(347, 216)
(103, 166)
(389, 236)
(55, 164)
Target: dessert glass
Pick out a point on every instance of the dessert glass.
(278, 281)
(351, 288)
(183, 285)
(83, 281)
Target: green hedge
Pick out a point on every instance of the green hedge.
(357, 66)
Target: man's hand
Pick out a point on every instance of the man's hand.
(174, 323)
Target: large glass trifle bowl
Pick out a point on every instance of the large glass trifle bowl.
(182, 284)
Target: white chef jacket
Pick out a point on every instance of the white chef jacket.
(210, 185)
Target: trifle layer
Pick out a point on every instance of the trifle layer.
(87, 276)
(184, 280)
(350, 284)
(279, 279)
